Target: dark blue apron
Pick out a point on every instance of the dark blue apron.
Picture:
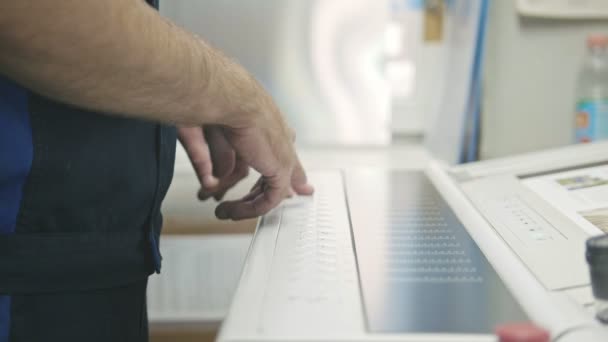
(80, 197)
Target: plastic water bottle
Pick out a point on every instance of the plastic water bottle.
(592, 92)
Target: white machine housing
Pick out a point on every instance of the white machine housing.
(544, 269)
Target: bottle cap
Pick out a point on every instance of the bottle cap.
(597, 257)
(522, 332)
(597, 40)
(597, 251)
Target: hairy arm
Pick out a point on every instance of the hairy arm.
(121, 57)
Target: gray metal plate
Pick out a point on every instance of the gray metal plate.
(420, 271)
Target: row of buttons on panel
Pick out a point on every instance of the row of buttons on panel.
(524, 222)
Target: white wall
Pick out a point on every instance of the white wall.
(320, 59)
(530, 76)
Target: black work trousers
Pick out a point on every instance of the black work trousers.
(106, 315)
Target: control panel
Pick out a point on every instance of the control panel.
(523, 221)
(547, 242)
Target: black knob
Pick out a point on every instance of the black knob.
(597, 257)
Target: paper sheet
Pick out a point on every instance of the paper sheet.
(581, 194)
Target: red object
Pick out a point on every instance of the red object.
(597, 40)
(522, 332)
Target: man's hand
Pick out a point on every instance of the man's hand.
(219, 167)
(282, 173)
(121, 57)
(214, 161)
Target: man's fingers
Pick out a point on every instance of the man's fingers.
(193, 140)
(224, 209)
(263, 197)
(256, 189)
(239, 210)
(214, 160)
(266, 194)
(222, 153)
(240, 172)
(226, 183)
(299, 181)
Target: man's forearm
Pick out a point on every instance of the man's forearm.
(119, 57)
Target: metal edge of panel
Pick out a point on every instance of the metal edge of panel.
(242, 317)
(532, 162)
